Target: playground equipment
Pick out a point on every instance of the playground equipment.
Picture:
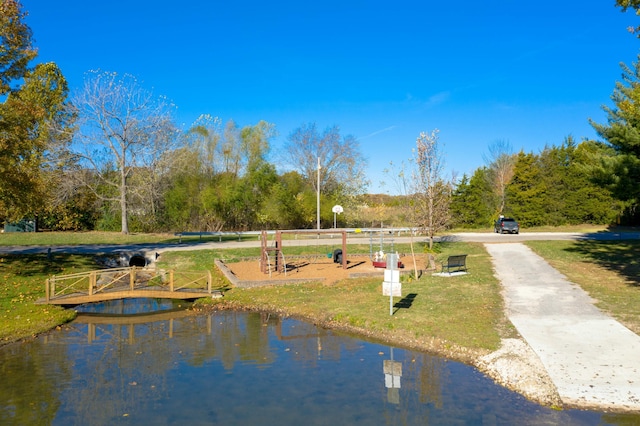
(272, 257)
(379, 258)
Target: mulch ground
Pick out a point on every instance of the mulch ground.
(306, 268)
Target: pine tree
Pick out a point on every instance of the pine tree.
(622, 133)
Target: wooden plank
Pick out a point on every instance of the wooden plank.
(127, 294)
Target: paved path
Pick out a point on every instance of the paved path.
(150, 248)
(593, 360)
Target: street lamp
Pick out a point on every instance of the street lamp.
(318, 203)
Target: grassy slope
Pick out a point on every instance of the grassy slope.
(457, 316)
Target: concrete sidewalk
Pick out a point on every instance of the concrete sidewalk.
(593, 360)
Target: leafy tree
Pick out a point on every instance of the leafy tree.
(31, 116)
(292, 203)
(205, 138)
(633, 4)
(471, 204)
(15, 45)
(556, 187)
(33, 128)
(69, 207)
(123, 130)
(185, 179)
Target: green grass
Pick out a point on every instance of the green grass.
(80, 238)
(608, 270)
(460, 316)
(95, 237)
(22, 283)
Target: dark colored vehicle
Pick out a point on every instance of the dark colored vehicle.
(507, 224)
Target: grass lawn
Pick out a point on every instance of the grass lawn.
(460, 317)
(22, 283)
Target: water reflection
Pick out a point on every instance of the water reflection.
(133, 306)
(239, 368)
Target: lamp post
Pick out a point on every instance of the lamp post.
(318, 200)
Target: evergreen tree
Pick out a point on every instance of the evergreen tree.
(526, 194)
(473, 200)
(622, 133)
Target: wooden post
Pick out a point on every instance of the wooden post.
(263, 252)
(344, 249)
(279, 266)
(46, 290)
(209, 279)
(171, 280)
(92, 282)
(132, 277)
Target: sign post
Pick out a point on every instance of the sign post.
(391, 285)
(392, 374)
(337, 209)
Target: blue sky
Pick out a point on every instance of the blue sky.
(529, 73)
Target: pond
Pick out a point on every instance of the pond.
(246, 368)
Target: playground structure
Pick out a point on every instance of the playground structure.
(273, 256)
(379, 258)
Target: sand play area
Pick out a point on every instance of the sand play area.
(313, 269)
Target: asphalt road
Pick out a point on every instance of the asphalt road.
(150, 249)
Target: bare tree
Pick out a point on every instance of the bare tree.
(122, 130)
(432, 193)
(501, 162)
(404, 185)
(342, 164)
(204, 137)
(426, 194)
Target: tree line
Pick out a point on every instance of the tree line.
(109, 156)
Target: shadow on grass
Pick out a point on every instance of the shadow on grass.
(27, 265)
(405, 302)
(620, 256)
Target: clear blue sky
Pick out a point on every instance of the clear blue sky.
(529, 73)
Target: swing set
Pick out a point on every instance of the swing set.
(273, 256)
(379, 258)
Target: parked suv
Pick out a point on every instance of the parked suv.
(506, 224)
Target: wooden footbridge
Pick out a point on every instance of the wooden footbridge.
(126, 283)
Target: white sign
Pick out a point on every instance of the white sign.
(391, 289)
(337, 209)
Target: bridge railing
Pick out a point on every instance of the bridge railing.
(129, 278)
(179, 280)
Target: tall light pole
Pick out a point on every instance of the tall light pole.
(318, 200)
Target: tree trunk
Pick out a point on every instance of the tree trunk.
(123, 203)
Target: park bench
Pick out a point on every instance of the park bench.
(455, 263)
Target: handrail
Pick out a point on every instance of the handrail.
(103, 281)
(240, 234)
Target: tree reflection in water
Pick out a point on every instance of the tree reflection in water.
(245, 368)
